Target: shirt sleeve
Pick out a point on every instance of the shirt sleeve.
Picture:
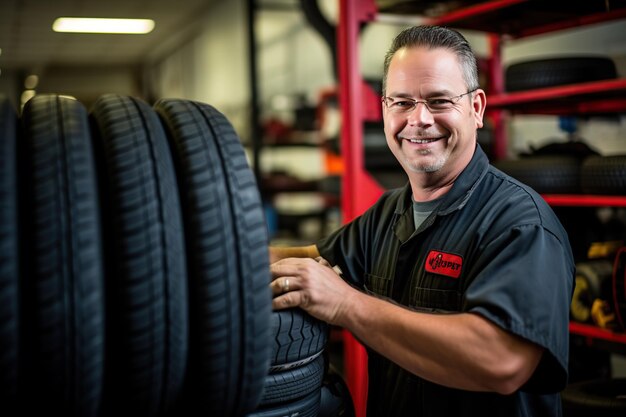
(350, 246)
(345, 248)
(523, 283)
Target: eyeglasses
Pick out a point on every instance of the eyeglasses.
(400, 105)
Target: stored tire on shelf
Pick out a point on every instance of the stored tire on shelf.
(62, 351)
(298, 338)
(604, 175)
(545, 173)
(550, 72)
(146, 288)
(228, 260)
(619, 287)
(292, 384)
(304, 407)
(598, 398)
(9, 251)
(592, 278)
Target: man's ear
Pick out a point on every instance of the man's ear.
(479, 102)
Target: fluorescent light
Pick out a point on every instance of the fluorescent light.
(97, 25)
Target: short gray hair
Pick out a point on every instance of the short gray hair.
(436, 37)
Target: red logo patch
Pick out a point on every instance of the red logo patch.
(443, 263)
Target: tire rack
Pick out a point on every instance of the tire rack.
(357, 102)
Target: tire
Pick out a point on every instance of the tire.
(592, 278)
(598, 398)
(62, 298)
(9, 253)
(293, 384)
(557, 71)
(298, 338)
(604, 175)
(305, 407)
(146, 288)
(228, 261)
(545, 174)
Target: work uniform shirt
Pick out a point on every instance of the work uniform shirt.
(492, 247)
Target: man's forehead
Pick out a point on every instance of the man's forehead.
(425, 65)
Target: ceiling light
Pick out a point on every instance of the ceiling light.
(98, 25)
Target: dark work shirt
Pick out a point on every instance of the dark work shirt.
(492, 247)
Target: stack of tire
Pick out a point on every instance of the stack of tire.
(134, 267)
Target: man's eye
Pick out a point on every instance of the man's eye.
(402, 103)
(439, 102)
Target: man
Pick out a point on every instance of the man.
(459, 284)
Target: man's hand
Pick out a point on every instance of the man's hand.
(312, 285)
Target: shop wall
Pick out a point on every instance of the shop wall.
(210, 66)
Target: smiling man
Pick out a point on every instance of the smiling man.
(458, 284)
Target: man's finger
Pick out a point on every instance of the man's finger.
(288, 300)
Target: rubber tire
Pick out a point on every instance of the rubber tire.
(545, 174)
(9, 255)
(228, 261)
(550, 72)
(293, 384)
(298, 338)
(594, 275)
(598, 398)
(604, 175)
(147, 316)
(62, 362)
(305, 407)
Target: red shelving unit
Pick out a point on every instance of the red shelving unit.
(585, 200)
(593, 335)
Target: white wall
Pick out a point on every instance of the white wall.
(212, 66)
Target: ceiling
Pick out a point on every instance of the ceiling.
(27, 41)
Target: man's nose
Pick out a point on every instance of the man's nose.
(420, 115)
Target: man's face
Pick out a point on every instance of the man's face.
(431, 141)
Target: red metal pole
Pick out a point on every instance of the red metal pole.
(359, 190)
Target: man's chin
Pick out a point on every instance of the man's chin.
(424, 166)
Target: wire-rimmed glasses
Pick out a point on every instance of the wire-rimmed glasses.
(400, 105)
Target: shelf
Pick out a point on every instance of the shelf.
(595, 334)
(585, 200)
(606, 96)
(515, 18)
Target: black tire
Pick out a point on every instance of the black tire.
(557, 71)
(305, 407)
(147, 318)
(9, 253)
(545, 174)
(292, 384)
(592, 278)
(601, 398)
(604, 175)
(62, 298)
(228, 261)
(298, 338)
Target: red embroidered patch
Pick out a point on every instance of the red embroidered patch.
(443, 263)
